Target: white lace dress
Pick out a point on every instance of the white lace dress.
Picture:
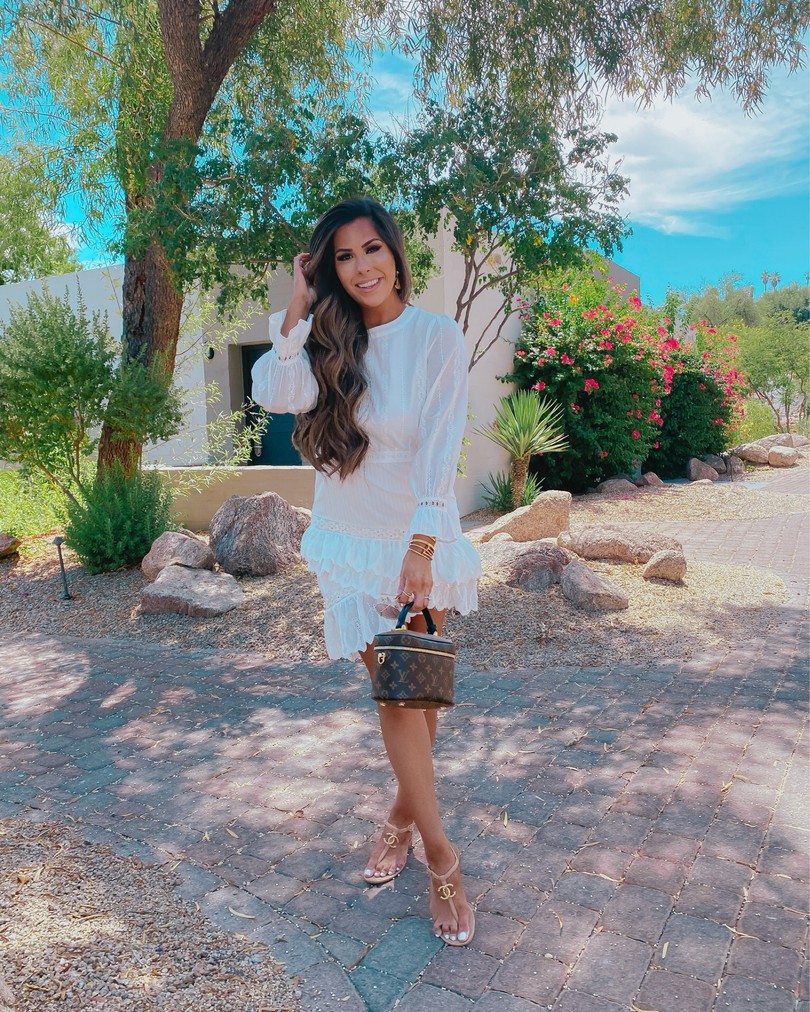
(414, 412)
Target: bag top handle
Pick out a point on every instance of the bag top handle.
(431, 625)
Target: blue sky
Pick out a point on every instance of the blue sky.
(712, 190)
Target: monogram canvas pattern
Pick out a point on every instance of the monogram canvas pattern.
(413, 670)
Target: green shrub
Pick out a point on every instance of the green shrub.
(497, 492)
(695, 415)
(28, 504)
(118, 519)
(758, 421)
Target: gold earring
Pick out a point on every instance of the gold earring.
(397, 285)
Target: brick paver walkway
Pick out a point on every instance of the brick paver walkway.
(638, 839)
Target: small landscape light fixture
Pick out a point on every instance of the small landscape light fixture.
(66, 595)
(209, 353)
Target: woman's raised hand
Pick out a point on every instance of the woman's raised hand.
(303, 290)
(303, 295)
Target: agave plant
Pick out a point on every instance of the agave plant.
(525, 424)
(497, 492)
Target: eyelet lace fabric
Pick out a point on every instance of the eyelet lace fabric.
(414, 414)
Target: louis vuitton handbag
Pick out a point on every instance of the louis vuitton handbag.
(413, 669)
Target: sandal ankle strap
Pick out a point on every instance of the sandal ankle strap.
(399, 832)
(447, 874)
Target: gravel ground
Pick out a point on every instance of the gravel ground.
(685, 502)
(82, 928)
(282, 616)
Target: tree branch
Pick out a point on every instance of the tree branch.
(477, 354)
(232, 31)
(69, 38)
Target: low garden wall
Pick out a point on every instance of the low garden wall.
(195, 508)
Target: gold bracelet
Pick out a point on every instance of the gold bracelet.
(418, 540)
(421, 554)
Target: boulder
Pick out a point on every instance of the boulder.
(782, 456)
(667, 565)
(752, 452)
(716, 461)
(797, 440)
(697, 470)
(617, 486)
(174, 548)
(538, 567)
(9, 545)
(736, 467)
(257, 535)
(627, 545)
(777, 439)
(503, 536)
(651, 479)
(547, 516)
(196, 592)
(586, 589)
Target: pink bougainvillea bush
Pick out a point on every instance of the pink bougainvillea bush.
(613, 365)
(704, 409)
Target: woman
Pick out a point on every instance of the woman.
(380, 390)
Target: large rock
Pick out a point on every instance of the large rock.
(752, 452)
(757, 452)
(782, 456)
(797, 440)
(197, 592)
(736, 467)
(716, 461)
(174, 548)
(9, 545)
(546, 517)
(667, 565)
(257, 535)
(696, 470)
(651, 479)
(777, 439)
(617, 486)
(529, 565)
(627, 545)
(586, 589)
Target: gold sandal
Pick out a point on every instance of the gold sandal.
(446, 892)
(391, 837)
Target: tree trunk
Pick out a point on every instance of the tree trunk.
(152, 307)
(152, 304)
(520, 474)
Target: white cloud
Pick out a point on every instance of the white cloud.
(689, 158)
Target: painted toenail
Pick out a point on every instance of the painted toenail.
(462, 936)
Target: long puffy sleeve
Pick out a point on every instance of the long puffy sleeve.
(282, 378)
(441, 429)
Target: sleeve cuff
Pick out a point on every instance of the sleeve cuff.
(436, 520)
(288, 347)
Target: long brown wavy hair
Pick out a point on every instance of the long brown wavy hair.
(329, 436)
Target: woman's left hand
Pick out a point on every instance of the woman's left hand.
(415, 578)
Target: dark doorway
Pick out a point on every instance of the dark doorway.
(275, 446)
